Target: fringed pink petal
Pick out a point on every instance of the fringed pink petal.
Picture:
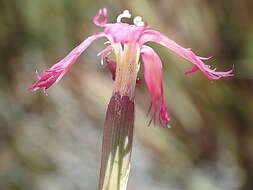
(57, 71)
(153, 75)
(187, 53)
(103, 14)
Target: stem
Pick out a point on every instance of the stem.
(119, 122)
(117, 143)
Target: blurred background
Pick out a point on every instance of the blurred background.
(54, 142)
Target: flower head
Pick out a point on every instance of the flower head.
(127, 41)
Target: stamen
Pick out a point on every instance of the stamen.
(125, 14)
(102, 62)
(138, 67)
(138, 21)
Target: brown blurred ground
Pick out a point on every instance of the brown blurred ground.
(54, 142)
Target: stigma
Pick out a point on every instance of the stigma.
(125, 14)
(138, 21)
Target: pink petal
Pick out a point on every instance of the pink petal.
(56, 72)
(118, 32)
(187, 53)
(103, 14)
(124, 33)
(153, 75)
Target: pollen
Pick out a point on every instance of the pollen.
(125, 14)
(138, 21)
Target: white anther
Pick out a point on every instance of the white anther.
(125, 14)
(138, 21)
(107, 42)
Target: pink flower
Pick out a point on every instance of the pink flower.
(127, 41)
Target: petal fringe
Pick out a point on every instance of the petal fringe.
(57, 71)
(187, 53)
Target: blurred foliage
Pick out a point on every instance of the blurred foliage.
(54, 142)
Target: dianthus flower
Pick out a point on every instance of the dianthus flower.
(127, 43)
